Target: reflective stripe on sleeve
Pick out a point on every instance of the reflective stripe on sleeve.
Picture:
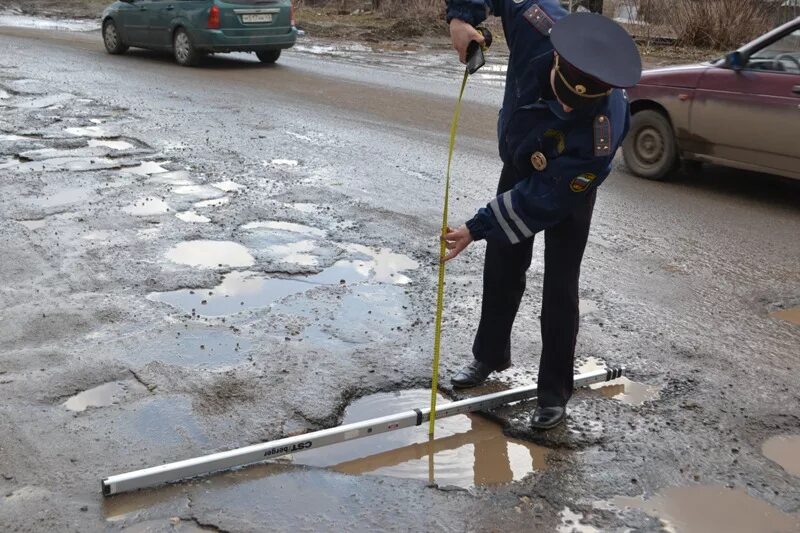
(523, 228)
(495, 207)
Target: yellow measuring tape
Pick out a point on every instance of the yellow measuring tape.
(442, 254)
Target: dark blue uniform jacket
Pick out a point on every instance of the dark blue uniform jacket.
(577, 147)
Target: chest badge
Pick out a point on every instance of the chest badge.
(539, 161)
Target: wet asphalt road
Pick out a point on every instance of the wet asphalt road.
(348, 147)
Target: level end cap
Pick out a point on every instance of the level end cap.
(105, 486)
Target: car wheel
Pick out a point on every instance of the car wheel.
(185, 53)
(650, 149)
(111, 38)
(269, 56)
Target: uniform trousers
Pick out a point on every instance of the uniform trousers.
(504, 280)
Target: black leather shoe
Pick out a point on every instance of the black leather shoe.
(548, 417)
(474, 374)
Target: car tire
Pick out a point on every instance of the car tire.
(650, 149)
(268, 56)
(185, 53)
(111, 38)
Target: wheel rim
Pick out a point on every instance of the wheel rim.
(182, 46)
(649, 145)
(110, 35)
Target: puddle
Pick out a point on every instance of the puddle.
(97, 236)
(295, 252)
(468, 450)
(101, 396)
(591, 364)
(10, 137)
(147, 168)
(627, 391)
(114, 145)
(784, 450)
(205, 348)
(386, 265)
(228, 186)
(304, 208)
(212, 203)
(147, 207)
(210, 254)
(46, 101)
(706, 508)
(33, 224)
(203, 192)
(285, 226)
(62, 197)
(70, 163)
(191, 216)
(790, 315)
(282, 163)
(177, 177)
(91, 131)
(571, 523)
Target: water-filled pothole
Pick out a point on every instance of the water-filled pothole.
(784, 450)
(98, 132)
(622, 389)
(33, 224)
(191, 216)
(210, 254)
(228, 186)
(284, 226)
(114, 145)
(147, 207)
(707, 508)
(241, 291)
(468, 450)
(100, 396)
(148, 168)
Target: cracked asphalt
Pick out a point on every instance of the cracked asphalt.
(208, 258)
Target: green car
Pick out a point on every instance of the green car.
(192, 28)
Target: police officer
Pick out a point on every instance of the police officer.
(563, 118)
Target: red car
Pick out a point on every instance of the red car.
(739, 111)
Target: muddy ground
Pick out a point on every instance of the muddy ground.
(232, 254)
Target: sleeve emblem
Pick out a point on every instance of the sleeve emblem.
(582, 182)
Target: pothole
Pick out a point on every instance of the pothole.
(147, 207)
(191, 216)
(708, 508)
(165, 421)
(176, 177)
(241, 291)
(468, 450)
(74, 164)
(59, 197)
(784, 450)
(305, 207)
(284, 226)
(291, 163)
(386, 266)
(148, 168)
(228, 186)
(98, 132)
(100, 396)
(200, 192)
(34, 224)
(295, 252)
(210, 254)
(114, 145)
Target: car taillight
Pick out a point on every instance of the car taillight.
(213, 18)
(291, 5)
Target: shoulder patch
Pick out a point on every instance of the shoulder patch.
(540, 20)
(582, 182)
(602, 136)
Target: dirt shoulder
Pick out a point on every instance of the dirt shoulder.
(359, 25)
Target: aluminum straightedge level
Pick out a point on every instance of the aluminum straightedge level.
(207, 464)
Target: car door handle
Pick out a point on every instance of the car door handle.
(796, 89)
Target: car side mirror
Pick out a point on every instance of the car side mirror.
(735, 60)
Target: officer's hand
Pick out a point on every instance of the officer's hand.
(456, 241)
(462, 34)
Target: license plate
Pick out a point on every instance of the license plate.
(252, 19)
